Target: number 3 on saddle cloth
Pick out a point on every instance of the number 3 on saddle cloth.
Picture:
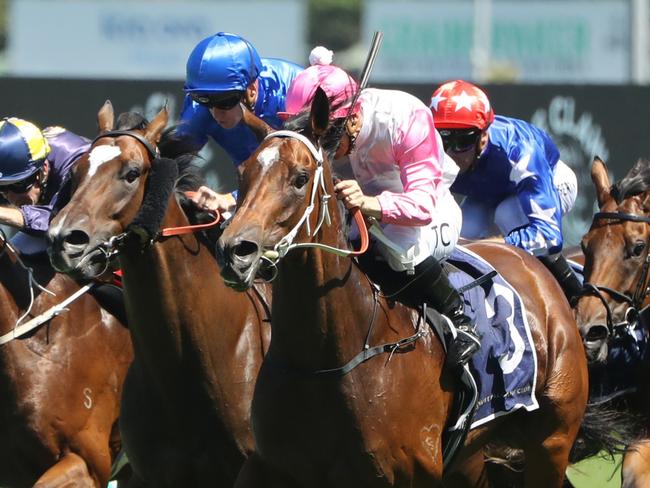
(505, 368)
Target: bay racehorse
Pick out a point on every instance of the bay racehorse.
(381, 423)
(616, 274)
(60, 381)
(198, 344)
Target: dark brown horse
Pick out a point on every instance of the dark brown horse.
(616, 270)
(60, 383)
(198, 344)
(380, 424)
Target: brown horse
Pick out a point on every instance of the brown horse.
(198, 345)
(60, 383)
(380, 424)
(616, 270)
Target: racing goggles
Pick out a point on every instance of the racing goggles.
(22, 186)
(459, 140)
(221, 100)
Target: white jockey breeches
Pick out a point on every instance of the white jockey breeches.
(405, 247)
(481, 220)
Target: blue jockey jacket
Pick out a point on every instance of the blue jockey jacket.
(519, 160)
(65, 149)
(240, 142)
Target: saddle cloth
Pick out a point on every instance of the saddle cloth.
(505, 368)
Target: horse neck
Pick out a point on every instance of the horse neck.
(14, 291)
(322, 305)
(166, 288)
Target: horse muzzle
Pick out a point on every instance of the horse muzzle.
(239, 260)
(71, 252)
(595, 339)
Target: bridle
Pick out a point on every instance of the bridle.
(111, 247)
(286, 244)
(151, 149)
(642, 290)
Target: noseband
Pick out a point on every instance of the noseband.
(642, 290)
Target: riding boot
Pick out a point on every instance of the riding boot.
(559, 267)
(437, 291)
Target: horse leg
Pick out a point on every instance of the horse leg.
(255, 474)
(468, 473)
(547, 445)
(636, 465)
(70, 472)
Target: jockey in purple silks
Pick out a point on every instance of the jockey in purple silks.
(34, 170)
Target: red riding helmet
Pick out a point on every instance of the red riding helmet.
(461, 105)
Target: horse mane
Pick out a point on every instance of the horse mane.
(329, 141)
(189, 176)
(131, 121)
(636, 181)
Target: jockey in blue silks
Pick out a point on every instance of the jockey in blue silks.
(34, 167)
(511, 174)
(224, 71)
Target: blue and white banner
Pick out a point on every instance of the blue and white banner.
(139, 39)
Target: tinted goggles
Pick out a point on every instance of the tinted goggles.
(459, 140)
(22, 186)
(221, 101)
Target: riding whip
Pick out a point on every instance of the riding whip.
(365, 72)
(365, 75)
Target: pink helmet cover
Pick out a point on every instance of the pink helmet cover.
(339, 86)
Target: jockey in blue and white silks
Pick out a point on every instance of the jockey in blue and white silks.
(34, 168)
(224, 72)
(511, 175)
(520, 163)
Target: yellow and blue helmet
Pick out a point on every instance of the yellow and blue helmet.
(23, 150)
(222, 63)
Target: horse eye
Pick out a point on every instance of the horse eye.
(132, 175)
(638, 248)
(301, 180)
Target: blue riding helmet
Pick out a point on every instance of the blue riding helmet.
(23, 150)
(222, 62)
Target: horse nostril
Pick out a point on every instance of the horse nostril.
(77, 238)
(244, 249)
(596, 333)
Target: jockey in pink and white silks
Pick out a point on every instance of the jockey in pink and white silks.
(398, 158)
(402, 179)
(511, 175)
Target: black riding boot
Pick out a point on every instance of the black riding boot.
(438, 292)
(559, 267)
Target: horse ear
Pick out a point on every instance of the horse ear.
(260, 128)
(601, 181)
(106, 117)
(156, 126)
(320, 112)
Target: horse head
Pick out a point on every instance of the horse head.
(616, 257)
(108, 185)
(284, 188)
